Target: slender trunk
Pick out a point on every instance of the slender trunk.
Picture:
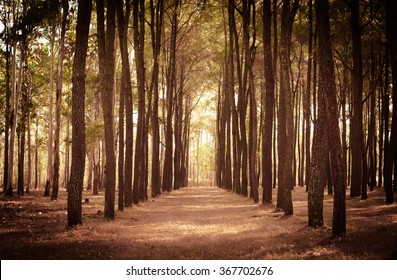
(268, 100)
(22, 124)
(275, 108)
(138, 8)
(13, 115)
(125, 160)
(67, 151)
(36, 156)
(7, 108)
(235, 131)
(29, 169)
(307, 102)
(358, 184)
(171, 73)
(157, 16)
(391, 35)
(106, 53)
(50, 155)
(55, 182)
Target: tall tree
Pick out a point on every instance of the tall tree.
(126, 94)
(138, 12)
(7, 54)
(55, 182)
(327, 87)
(50, 151)
(106, 54)
(249, 38)
(235, 129)
(268, 101)
(320, 155)
(15, 93)
(75, 187)
(156, 28)
(285, 114)
(22, 124)
(171, 80)
(125, 168)
(358, 183)
(307, 102)
(391, 35)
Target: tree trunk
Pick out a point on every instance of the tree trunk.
(50, 155)
(36, 156)
(22, 124)
(268, 101)
(286, 129)
(171, 73)
(138, 8)
(391, 35)
(357, 138)
(55, 182)
(106, 54)
(13, 115)
(327, 88)
(178, 183)
(157, 16)
(67, 152)
(7, 109)
(75, 187)
(29, 169)
(319, 162)
(125, 97)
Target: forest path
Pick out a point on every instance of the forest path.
(198, 222)
(194, 223)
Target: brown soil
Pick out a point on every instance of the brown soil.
(194, 223)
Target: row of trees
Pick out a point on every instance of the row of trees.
(323, 91)
(299, 98)
(155, 70)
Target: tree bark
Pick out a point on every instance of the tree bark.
(138, 8)
(391, 35)
(55, 182)
(286, 129)
(50, 155)
(357, 137)
(171, 77)
(75, 187)
(268, 101)
(157, 17)
(327, 88)
(106, 54)
(307, 102)
(125, 160)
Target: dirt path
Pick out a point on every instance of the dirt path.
(194, 223)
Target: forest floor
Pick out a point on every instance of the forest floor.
(194, 223)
